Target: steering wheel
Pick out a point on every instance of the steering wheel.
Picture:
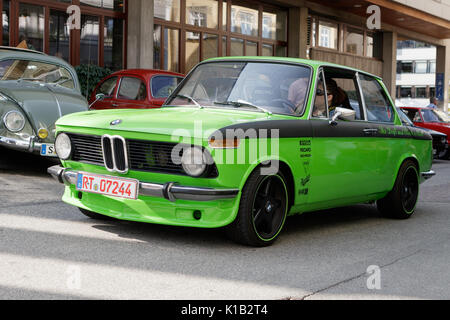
(284, 103)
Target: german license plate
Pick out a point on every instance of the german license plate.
(107, 185)
(48, 150)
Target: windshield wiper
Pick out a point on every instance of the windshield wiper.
(242, 103)
(190, 99)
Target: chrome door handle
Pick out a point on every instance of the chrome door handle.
(370, 131)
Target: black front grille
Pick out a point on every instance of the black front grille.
(87, 149)
(149, 156)
(152, 156)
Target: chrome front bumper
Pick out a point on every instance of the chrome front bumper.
(29, 145)
(170, 191)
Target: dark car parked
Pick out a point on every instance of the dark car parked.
(440, 144)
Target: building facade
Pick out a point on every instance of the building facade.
(416, 73)
(177, 34)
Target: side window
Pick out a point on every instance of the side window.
(163, 86)
(132, 89)
(377, 103)
(320, 105)
(108, 86)
(413, 115)
(343, 92)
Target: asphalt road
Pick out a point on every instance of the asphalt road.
(48, 250)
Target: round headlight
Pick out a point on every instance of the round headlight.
(63, 146)
(14, 121)
(193, 161)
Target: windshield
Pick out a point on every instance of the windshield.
(256, 86)
(12, 69)
(405, 120)
(430, 116)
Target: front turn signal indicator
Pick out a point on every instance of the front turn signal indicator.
(43, 133)
(224, 143)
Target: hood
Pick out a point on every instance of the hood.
(173, 121)
(44, 104)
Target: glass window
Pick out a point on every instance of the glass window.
(244, 20)
(343, 92)
(171, 46)
(261, 85)
(163, 86)
(59, 39)
(377, 103)
(116, 5)
(413, 115)
(224, 46)
(429, 116)
(31, 26)
(406, 67)
(320, 103)
(35, 71)
(202, 13)
(432, 67)
(132, 89)
(370, 45)
(267, 50)
(113, 43)
(5, 23)
(192, 50)
(108, 86)
(281, 51)
(156, 46)
(224, 15)
(210, 45)
(274, 25)
(89, 40)
(354, 41)
(167, 10)
(420, 67)
(328, 35)
(421, 92)
(237, 47)
(405, 92)
(432, 91)
(251, 48)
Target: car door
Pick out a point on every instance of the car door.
(343, 164)
(132, 93)
(161, 87)
(390, 135)
(107, 87)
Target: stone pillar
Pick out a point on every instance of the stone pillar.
(390, 62)
(443, 68)
(298, 32)
(140, 34)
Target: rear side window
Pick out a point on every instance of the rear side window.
(377, 103)
(132, 89)
(163, 86)
(108, 86)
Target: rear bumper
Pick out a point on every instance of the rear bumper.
(427, 175)
(169, 191)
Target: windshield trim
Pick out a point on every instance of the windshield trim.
(307, 97)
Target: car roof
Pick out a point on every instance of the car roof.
(312, 63)
(26, 54)
(146, 73)
(404, 107)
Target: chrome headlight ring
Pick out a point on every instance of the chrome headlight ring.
(14, 124)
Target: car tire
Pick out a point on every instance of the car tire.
(94, 215)
(400, 203)
(445, 154)
(262, 210)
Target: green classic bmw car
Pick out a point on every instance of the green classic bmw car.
(242, 143)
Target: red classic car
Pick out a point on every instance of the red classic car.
(430, 119)
(134, 89)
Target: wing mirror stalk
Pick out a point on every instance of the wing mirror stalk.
(98, 97)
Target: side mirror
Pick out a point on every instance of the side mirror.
(98, 97)
(343, 114)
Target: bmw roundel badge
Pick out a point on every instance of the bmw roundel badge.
(115, 122)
